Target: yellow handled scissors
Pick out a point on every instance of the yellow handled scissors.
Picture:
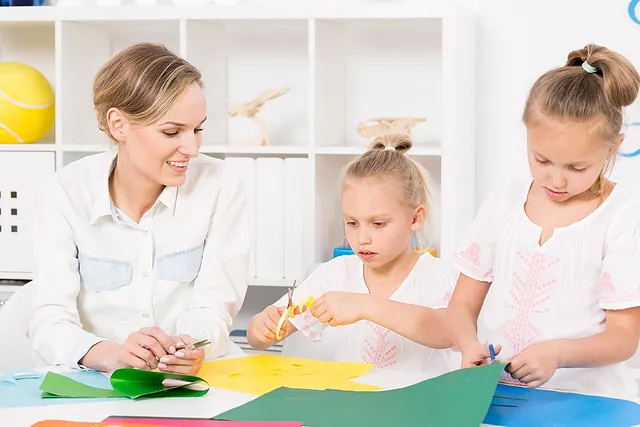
(290, 310)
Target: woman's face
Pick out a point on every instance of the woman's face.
(161, 151)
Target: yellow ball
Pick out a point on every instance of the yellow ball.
(27, 107)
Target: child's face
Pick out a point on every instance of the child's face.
(565, 158)
(378, 225)
(161, 151)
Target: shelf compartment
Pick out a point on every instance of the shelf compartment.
(31, 43)
(239, 60)
(85, 47)
(373, 68)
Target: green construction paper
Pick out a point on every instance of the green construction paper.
(56, 385)
(127, 382)
(135, 383)
(457, 399)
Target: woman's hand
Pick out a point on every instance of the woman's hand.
(143, 348)
(183, 361)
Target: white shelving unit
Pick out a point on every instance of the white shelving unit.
(343, 64)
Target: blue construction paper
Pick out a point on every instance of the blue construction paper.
(558, 409)
(25, 391)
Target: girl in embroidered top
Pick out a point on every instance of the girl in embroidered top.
(554, 262)
(144, 249)
(387, 298)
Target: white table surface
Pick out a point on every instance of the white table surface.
(215, 402)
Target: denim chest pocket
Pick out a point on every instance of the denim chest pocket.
(102, 274)
(180, 266)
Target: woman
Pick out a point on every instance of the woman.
(144, 249)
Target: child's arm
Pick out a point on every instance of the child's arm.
(618, 342)
(462, 320)
(420, 324)
(619, 297)
(474, 259)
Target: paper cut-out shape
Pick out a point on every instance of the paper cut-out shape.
(127, 382)
(290, 312)
(261, 374)
(515, 406)
(459, 398)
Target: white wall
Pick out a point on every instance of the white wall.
(519, 40)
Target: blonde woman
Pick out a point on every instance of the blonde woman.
(141, 250)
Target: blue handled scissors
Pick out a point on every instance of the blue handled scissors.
(492, 353)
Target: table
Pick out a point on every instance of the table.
(215, 402)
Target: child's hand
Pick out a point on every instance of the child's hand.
(477, 354)
(264, 325)
(183, 361)
(536, 363)
(339, 308)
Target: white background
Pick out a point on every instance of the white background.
(516, 42)
(519, 40)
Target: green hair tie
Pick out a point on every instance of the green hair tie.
(588, 68)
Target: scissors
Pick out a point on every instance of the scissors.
(290, 310)
(196, 345)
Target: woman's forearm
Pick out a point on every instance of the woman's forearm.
(102, 356)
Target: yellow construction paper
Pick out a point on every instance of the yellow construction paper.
(261, 374)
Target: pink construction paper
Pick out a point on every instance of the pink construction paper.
(186, 422)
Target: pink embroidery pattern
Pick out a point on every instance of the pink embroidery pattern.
(530, 291)
(470, 258)
(605, 284)
(472, 254)
(306, 329)
(506, 378)
(378, 350)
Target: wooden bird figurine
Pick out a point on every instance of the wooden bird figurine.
(387, 126)
(250, 110)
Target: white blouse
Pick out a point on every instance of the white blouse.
(429, 284)
(560, 289)
(101, 276)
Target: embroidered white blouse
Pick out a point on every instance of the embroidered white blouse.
(101, 276)
(560, 289)
(429, 284)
